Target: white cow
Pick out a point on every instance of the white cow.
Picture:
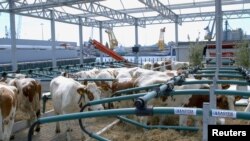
(88, 74)
(69, 96)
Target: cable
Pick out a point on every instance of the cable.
(123, 5)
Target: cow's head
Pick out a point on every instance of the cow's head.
(90, 92)
(222, 102)
(226, 102)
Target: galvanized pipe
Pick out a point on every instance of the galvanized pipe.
(232, 92)
(220, 75)
(140, 103)
(136, 89)
(220, 71)
(236, 82)
(221, 68)
(133, 122)
(123, 111)
(113, 99)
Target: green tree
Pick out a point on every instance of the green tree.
(195, 54)
(242, 54)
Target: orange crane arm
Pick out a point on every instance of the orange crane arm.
(109, 52)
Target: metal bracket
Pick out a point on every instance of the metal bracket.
(158, 92)
(145, 111)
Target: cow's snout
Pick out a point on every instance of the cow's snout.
(96, 107)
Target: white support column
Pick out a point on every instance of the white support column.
(212, 100)
(136, 41)
(13, 37)
(176, 41)
(100, 32)
(53, 39)
(218, 17)
(81, 40)
(176, 33)
(205, 120)
(136, 32)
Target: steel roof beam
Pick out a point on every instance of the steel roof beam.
(108, 12)
(162, 9)
(232, 14)
(67, 18)
(179, 6)
(38, 4)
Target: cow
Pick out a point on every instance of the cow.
(147, 65)
(28, 97)
(223, 102)
(106, 86)
(8, 105)
(87, 74)
(68, 96)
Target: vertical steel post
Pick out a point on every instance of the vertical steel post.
(13, 37)
(100, 32)
(81, 40)
(218, 17)
(53, 38)
(212, 100)
(136, 41)
(205, 120)
(176, 40)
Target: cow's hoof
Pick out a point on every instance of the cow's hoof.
(37, 129)
(12, 137)
(69, 130)
(58, 131)
(83, 138)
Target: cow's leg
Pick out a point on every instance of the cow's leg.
(183, 120)
(33, 117)
(38, 115)
(69, 130)
(57, 126)
(198, 121)
(83, 138)
(161, 120)
(6, 132)
(1, 126)
(10, 124)
(220, 121)
(144, 120)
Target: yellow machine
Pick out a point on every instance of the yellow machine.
(161, 43)
(113, 43)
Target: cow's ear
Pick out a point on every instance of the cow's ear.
(85, 82)
(14, 83)
(237, 98)
(205, 86)
(170, 74)
(225, 86)
(221, 98)
(81, 90)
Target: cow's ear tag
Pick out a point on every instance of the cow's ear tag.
(81, 90)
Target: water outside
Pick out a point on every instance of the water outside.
(140, 58)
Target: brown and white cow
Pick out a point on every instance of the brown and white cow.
(87, 74)
(28, 97)
(223, 102)
(8, 104)
(69, 96)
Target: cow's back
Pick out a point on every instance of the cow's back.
(63, 92)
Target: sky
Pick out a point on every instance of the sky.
(39, 29)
